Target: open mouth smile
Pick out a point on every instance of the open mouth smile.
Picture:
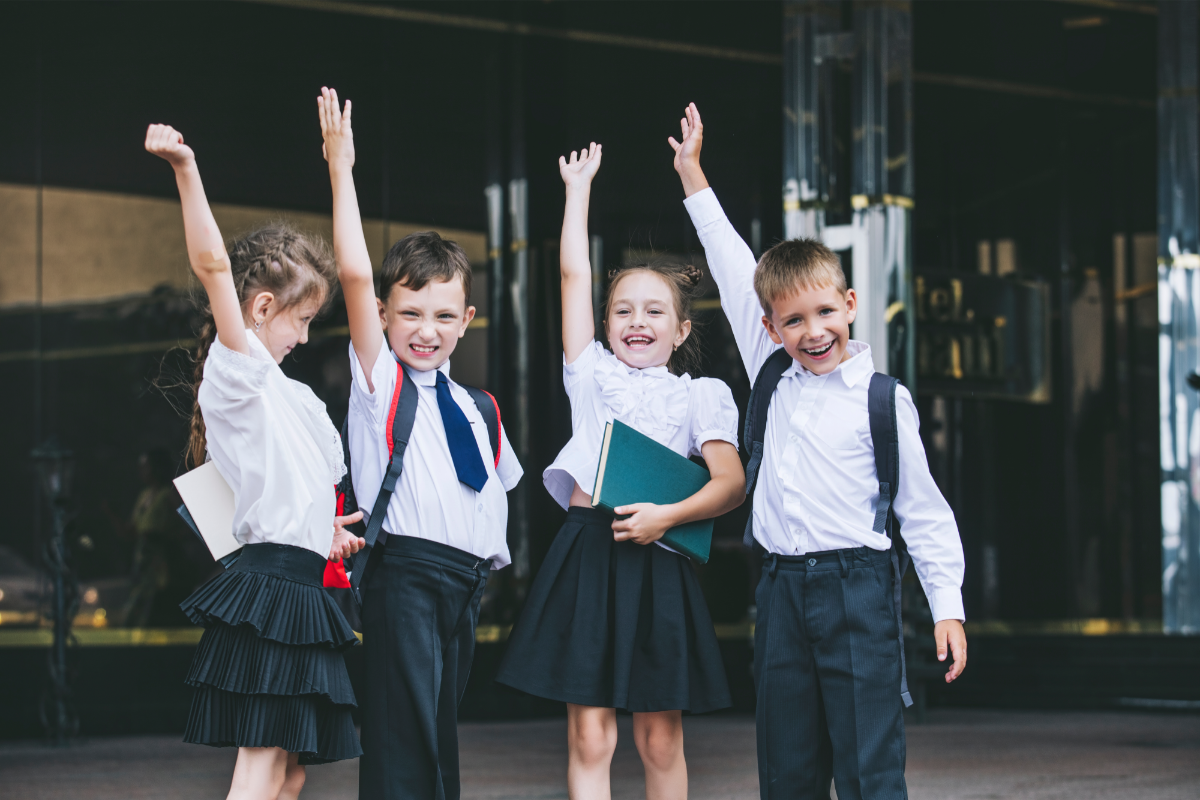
(423, 349)
(638, 342)
(819, 353)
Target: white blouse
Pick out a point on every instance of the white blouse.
(678, 411)
(273, 442)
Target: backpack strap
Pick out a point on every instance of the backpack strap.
(490, 410)
(401, 415)
(885, 438)
(756, 424)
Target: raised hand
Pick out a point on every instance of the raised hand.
(167, 143)
(687, 151)
(579, 171)
(338, 148)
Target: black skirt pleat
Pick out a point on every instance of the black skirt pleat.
(615, 625)
(269, 671)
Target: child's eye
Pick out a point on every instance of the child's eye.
(826, 312)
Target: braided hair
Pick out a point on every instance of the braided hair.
(276, 258)
(683, 280)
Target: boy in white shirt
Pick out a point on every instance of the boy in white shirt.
(446, 521)
(827, 658)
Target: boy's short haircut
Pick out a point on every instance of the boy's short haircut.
(796, 265)
(420, 258)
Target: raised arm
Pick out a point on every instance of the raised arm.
(579, 326)
(206, 249)
(730, 261)
(349, 244)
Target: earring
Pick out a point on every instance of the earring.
(258, 325)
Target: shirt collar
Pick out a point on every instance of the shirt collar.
(257, 348)
(858, 366)
(425, 377)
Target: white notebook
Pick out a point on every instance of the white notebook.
(210, 502)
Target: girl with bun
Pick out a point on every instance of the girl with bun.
(615, 619)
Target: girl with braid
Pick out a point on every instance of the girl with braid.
(615, 619)
(269, 675)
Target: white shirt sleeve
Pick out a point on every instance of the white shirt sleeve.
(732, 264)
(509, 469)
(926, 520)
(374, 406)
(714, 415)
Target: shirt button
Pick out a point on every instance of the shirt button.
(812, 562)
(480, 507)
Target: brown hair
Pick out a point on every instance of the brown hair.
(682, 279)
(276, 258)
(796, 265)
(420, 258)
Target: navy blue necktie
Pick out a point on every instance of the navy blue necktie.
(464, 449)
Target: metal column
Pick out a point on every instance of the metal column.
(882, 183)
(1178, 310)
(805, 175)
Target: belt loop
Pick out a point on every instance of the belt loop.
(774, 564)
(845, 566)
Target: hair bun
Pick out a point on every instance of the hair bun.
(693, 274)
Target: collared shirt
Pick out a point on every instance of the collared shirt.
(273, 443)
(817, 486)
(677, 411)
(429, 502)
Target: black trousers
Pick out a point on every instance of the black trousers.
(827, 674)
(420, 606)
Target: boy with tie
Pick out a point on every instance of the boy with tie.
(446, 520)
(827, 657)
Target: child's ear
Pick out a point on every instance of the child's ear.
(770, 326)
(685, 330)
(467, 317)
(382, 313)
(851, 305)
(260, 307)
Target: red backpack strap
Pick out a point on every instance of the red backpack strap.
(391, 419)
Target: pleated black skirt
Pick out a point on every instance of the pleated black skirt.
(269, 671)
(615, 625)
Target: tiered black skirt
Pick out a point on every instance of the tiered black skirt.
(269, 671)
(615, 625)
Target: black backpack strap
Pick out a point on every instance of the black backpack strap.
(401, 416)
(756, 424)
(885, 438)
(490, 410)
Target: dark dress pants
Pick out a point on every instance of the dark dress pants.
(420, 608)
(827, 674)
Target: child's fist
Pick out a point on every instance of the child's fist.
(338, 148)
(579, 171)
(167, 143)
(345, 543)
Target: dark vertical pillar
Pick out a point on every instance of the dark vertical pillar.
(806, 25)
(1179, 304)
(518, 206)
(497, 288)
(882, 183)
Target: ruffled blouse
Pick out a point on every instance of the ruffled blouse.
(677, 411)
(273, 442)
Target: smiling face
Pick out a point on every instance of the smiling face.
(643, 325)
(813, 325)
(424, 325)
(281, 331)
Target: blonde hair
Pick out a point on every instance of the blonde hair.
(796, 265)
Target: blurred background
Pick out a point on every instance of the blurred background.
(1013, 187)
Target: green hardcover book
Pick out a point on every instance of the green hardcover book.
(636, 469)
